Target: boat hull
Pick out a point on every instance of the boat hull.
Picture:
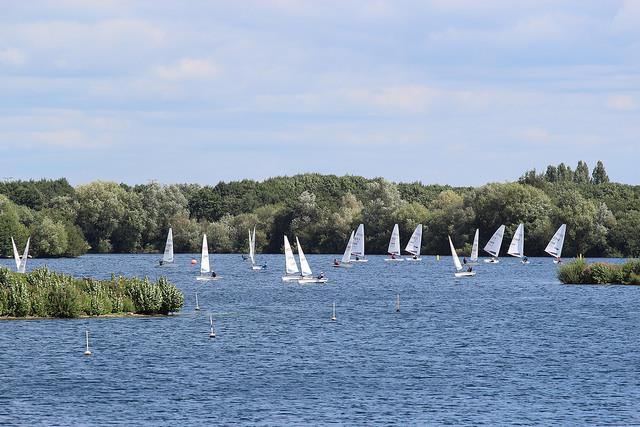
(413, 259)
(342, 265)
(291, 278)
(359, 260)
(208, 278)
(465, 274)
(394, 259)
(258, 267)
(312, 280)
(492, 261)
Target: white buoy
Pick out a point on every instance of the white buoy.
(87, 351)
(398, 303)
(212, 333)
(333, 315)
(197, 305)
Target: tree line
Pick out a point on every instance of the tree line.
(603, 218)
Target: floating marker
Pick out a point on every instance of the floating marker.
(197, 305)
(437, 257)
(87, 352)
(212, 333)
(333, 315)
(398, 303)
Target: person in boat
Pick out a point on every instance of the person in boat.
(469, 269)
(393, 256)
(464, 260)
(559, 261)
(213, 274)
(357, 258)
(336, 262)
(244, 257)
(161, 262)
(415, 257)
(321, 275)
(264, 266)
(525, 259)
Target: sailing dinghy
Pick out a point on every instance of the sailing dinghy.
(554, 248)
(493, 246)
(345, 262)
(167, 257)
(473, 260)
(394, 245)
(456, 263)
(290, 266)
(357, 249)
(516, 248)
(415, 242)
(252, 252)
(205, 268)
(21, 261)
(307, 274)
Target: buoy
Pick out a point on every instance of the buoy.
(398, 303)
(87, 351)
(197, 305)
(193, 261)
(437, 257)
(333, 315)
(212, 333)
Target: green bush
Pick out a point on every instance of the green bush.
(572, 272)
(19, 303)
(599, 273)
(172, 298)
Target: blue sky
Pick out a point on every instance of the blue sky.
(443, 91)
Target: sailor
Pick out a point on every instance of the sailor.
(464, 260)
(415, 257)
(213, 274)
(321, 275)
(525, 259)
(161, 262)
(470, 269)
(357, 258)
(336, 262)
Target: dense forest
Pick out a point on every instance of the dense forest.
(603, 218)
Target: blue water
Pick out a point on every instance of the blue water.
(510, 346)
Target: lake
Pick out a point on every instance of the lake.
(510, 346)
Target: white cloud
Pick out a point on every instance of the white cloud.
(12, 57)
(188, 69)
(621, 102)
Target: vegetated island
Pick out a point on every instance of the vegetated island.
(579, 272)
(46, 294)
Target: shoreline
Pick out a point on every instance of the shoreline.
(99, 316)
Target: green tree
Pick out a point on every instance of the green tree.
(581, 175)
(599, 175)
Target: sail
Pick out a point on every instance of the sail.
(413, 247)
(290, 262)
(474, 248)
(304, 265)
(253, 246)
(454, 255)
(16, 254)
(23, 261)
(517, 243)
(204, 257)
(168, 248)
(346, 258)
(358, 242)
(554, 248)
(251, 249)
(493, 246)
(394, 242)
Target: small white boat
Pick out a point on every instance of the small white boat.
(456, 263)
(394, 246)
(252, 252)
(21, 261)
(357, 251)
(516, 248)
(212, 332)
(493, 245)
(87, 352)
(415, 242)
(290, 266)
(197, 308)
(554, 248)
(307, 274)
(205, 268)
(333, 313)
(346, 257)
(167, 257)
(473, 259)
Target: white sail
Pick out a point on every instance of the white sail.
(204, 257)
(23, 261)
(168, 248)
(554, 248)
(493, 246)
(291, 266)
(346, 257)
(454, 255)
(16, 254)
(474, 248)
(517, 243)
(358, 242)
(415, 242)
(252, 248)
(304, 265)
(394, 242)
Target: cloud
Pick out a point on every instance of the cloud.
(12, 57)
(621, 102)
(188, 69)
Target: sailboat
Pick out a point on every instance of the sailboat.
(415, 242)
(21, 262)
(307, 274)
(346, 257)
(358, 245)
(394, 245)
(252, 252)
(212, 331)
(473, 259)
(493, 246)
(516, 248)
(291, 267)
(456, 263)
(554, 248)
(167, 257)
(205, 268)
(87, 352)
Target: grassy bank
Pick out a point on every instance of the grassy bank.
(580, 272)
(43, 293)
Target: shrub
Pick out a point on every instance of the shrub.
(579, 272)
(572, 272)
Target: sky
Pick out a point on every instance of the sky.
(460, 92)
